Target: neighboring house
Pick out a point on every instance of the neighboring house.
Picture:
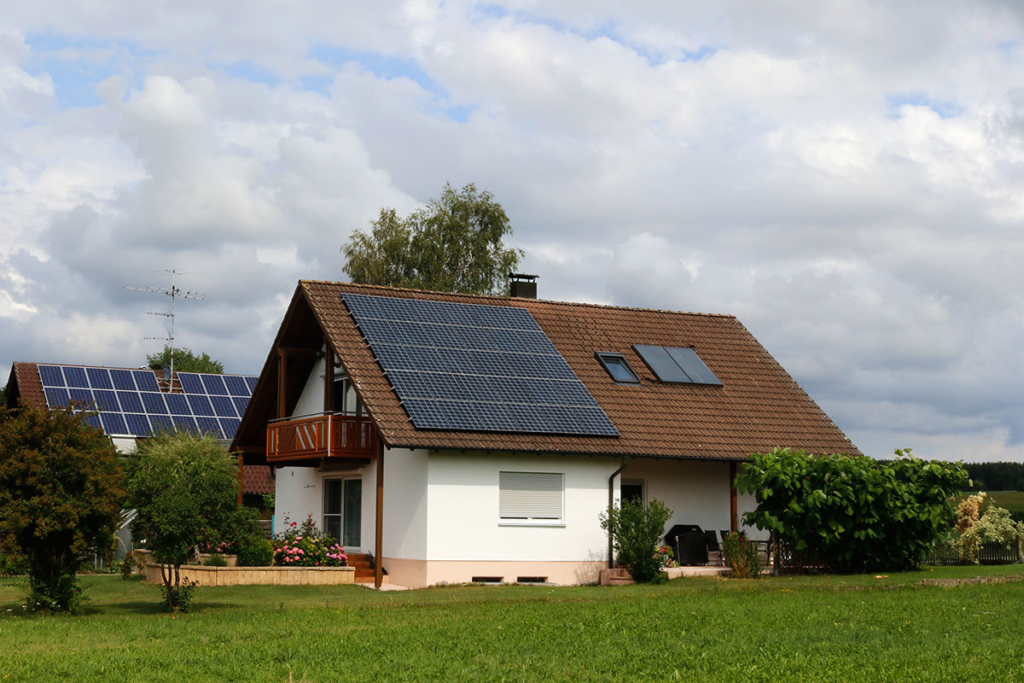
(135, 402)
(467, 437)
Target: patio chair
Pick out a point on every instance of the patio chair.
(715, 555)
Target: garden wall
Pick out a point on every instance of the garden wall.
(258, 576)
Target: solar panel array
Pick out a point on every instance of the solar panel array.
(130, 402)
(470, 367)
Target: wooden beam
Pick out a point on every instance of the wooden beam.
(241, 477)
(378, 549)
(733, 515)
(329, 380)
(282, 375)
(297, 351)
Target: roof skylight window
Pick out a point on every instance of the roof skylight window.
(618, 368)
(678, 365)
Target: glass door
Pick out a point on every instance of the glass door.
(343, 508)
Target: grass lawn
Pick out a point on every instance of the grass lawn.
(1011, 500)
(843, 628)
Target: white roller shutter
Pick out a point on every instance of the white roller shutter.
(530, 495)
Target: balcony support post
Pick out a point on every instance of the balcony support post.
(378, 547)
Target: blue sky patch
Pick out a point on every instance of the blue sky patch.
(944, 108)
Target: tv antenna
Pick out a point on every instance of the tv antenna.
(175, 293)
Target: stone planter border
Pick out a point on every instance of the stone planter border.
(258, 576)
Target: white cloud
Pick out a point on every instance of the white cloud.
(844, 178)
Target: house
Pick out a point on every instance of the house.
(461, 438)
(135, 402)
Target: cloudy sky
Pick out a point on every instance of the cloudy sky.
(845, 177)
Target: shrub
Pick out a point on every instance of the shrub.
(184, 487)
(216, 560)
(853, 513)
(178, 598)
(968, 513)
(741, 555)
(305, 546)
(636, 530)
(61, 488)
(256, 552)
(995, 526)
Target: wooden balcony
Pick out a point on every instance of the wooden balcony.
(321, 436)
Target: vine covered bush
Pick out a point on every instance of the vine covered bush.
(636, 530)
(853, 514)
(974, 529)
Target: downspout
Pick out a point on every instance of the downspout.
(611, 504)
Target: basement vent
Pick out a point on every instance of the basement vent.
(488, 580)
(528, 580)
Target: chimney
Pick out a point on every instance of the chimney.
(522, 285)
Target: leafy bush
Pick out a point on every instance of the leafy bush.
(996, 526)
(178, 598)
(61, 488)
(968, 513)
(256, 552)
(184, 487)
(636, 530)
(216, 560)
(305, 546)
(853, 513)
(741, 555)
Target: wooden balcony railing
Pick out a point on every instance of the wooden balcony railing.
(321, 436)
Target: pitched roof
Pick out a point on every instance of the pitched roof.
(758, 407)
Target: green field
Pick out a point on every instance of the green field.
(1011, 500)
(855, 628)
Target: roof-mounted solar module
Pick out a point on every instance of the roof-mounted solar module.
(472, 367)
(678, 365)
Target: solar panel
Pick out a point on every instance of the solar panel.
(138, 425)
(75, 377)
(251, 383)
(177, 404)
(472, 367)
(99, 378)
(56, 397)
(236, 386)
(215, 385)
(154, 403)
(131, 401)
(191, 383)
(51, 376)
(145, 380)
(123, 380)
(692, 365)
(208, 425)
(133, 405)
(113, 424)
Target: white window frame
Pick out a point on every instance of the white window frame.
(533, 521)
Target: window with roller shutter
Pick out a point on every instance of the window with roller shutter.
(530, 497)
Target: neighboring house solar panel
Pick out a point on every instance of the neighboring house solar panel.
(51, 376)
(472, 367)
(123, 380)
(75, 377)
(146, 380)
(131, 403)
(99, 378)
(236, 386)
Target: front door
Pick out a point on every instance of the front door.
(343, 508)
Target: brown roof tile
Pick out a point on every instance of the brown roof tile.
(758, 407)
(256, 479)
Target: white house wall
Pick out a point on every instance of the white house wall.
(311, 401)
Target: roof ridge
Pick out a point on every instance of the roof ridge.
(506, 298)
(125, 367)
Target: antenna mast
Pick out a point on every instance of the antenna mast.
(175, 293)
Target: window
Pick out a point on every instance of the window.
(342, 515)
(345, 399)
(632, 490)
(678, 365)
(618, 368)
(530, 497)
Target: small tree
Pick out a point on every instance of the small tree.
(452, 245)
(61, 488)
(184, 487)
(636, 531)
(185, 361)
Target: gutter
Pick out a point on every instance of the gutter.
(611, 503)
